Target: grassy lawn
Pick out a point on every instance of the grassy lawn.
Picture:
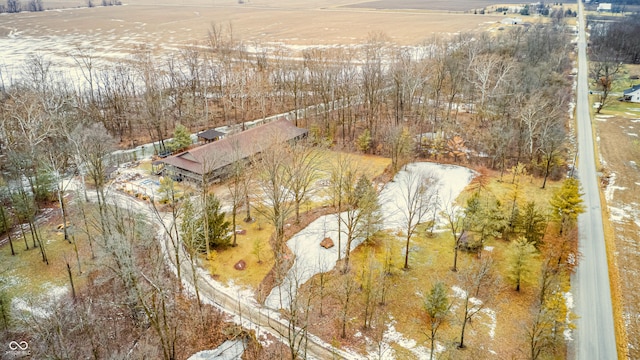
(222, 266)
(25, 274)
(622, 109)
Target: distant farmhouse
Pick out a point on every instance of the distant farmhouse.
(212, 162)
(604, 7)
(632, 94)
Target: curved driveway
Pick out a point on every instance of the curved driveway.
(595, 337)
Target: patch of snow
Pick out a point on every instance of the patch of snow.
(616, 214)
(632, 134)
(228, 350)
(449, 181)
(459, 292)
(8, 281)
(611, 188)
(488, 248)
(493, 321)
(568, 300)
(311, 258)
(391, 335)
(40, 307)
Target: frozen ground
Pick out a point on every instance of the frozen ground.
(40, 306)
(311, 258)
(228, 350)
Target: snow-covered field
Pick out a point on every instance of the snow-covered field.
(311, 258)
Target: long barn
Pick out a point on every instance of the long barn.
(211, 162)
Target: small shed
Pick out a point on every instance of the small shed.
(210, 135)
(632, 94)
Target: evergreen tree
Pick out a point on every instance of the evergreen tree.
(181, 138)
(532, 224)
(520, 254)
(436, 307)
(484, 218)
(364, 141)
(566, 204)
(219, 227)
(192, 227)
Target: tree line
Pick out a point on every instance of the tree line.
(16, 6)
(504, 96)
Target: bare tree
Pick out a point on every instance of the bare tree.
(95, 145)
(344, 294)
(418, 199)
(373, 76)
(552, 138)
(369, 286)
(456, 222)
(342, 174)
(235, 185)
(297, 309)
(303, 171)
(5, 215)
(478, 276)
(58, 164)
(170, 226)
(604, 73)
(13, 6)
(274, 182)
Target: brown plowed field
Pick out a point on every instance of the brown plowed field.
(618, 130)
(170, 23)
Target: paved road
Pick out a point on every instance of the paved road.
(595, 338)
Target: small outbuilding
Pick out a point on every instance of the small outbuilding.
(632, 94)
(210, 135)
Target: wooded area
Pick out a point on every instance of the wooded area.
(499, 101)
